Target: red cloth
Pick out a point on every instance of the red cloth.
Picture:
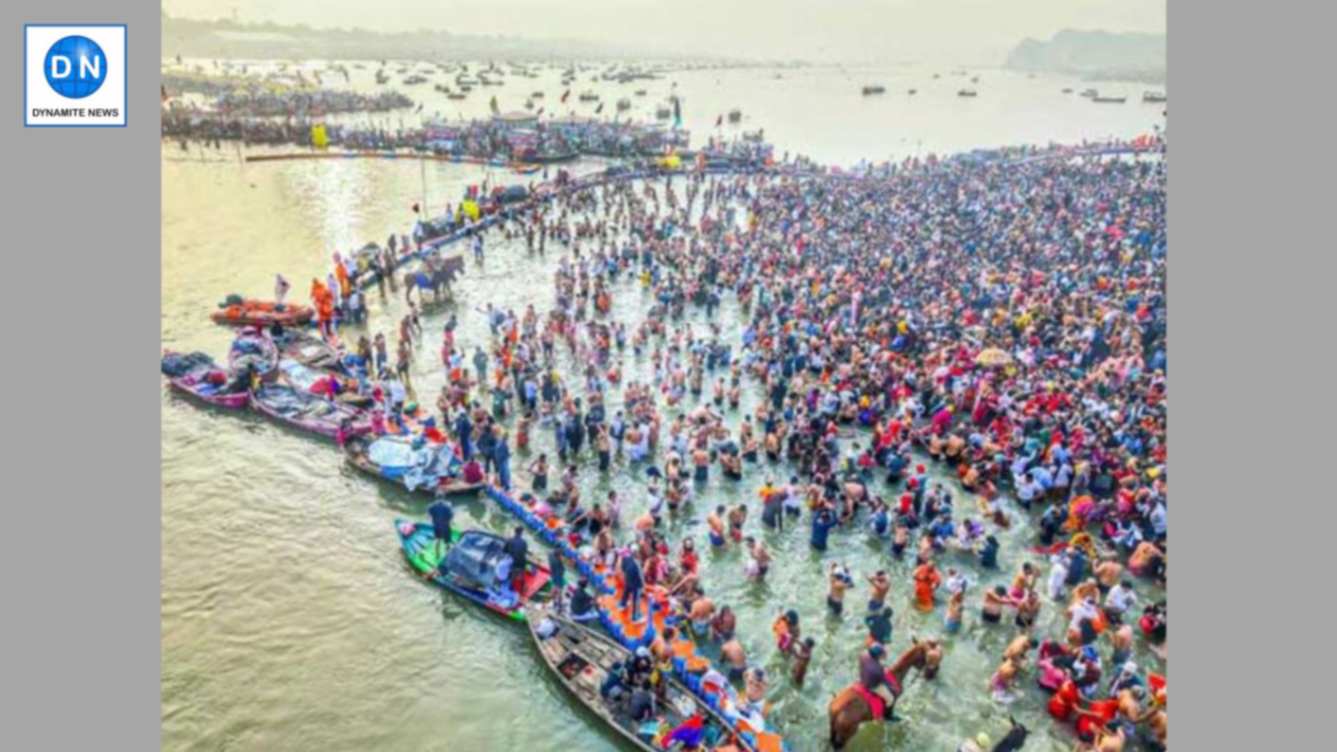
(875, 703)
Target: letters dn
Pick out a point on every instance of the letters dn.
(75, 67)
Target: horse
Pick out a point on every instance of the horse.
(434, 276)
(848, 710)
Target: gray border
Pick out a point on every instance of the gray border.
(1250, 225)
(79, 558)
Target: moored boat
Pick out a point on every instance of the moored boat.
(1109, 100)
(307, 349)
(197, 375)
(474, 565)
(583, 660)
(874, 89)
(1153, 96)
(307, 412)
(377, 456)
(322, 382)
(967, 93)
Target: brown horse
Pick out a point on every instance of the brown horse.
(848, 710)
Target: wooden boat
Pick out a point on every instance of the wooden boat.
(355, 454)
(198, 376)
(307, 349)
(307, 412)
(874, 89)
(468, 567)
(967, 93)
(581, 659)
(318, 381)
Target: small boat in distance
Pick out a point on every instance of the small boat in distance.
(1109, 100)
(912, 92)
(1088, 93)
(1067, 90)
(874, 89)
(623, 105)
(735, 115)
(1153, 96)
(967, 93)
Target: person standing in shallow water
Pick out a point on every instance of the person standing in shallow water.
(926, 579)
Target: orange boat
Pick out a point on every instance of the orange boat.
(261, 313)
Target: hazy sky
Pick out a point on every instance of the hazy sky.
(964, 31)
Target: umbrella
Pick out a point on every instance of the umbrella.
(993, 357)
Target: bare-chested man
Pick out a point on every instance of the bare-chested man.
(839, 581)
(881, 584)
(702, 611)
(734, 658)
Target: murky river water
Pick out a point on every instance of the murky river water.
(289, 619)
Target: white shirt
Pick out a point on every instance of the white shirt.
(1120, 598)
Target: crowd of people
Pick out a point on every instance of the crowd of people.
(1002, 319)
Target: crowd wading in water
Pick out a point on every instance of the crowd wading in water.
(999, 318)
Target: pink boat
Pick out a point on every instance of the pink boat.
(197, 375)
(308, 412)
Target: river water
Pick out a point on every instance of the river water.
(289, 619)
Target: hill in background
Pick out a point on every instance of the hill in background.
(1094, 55)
